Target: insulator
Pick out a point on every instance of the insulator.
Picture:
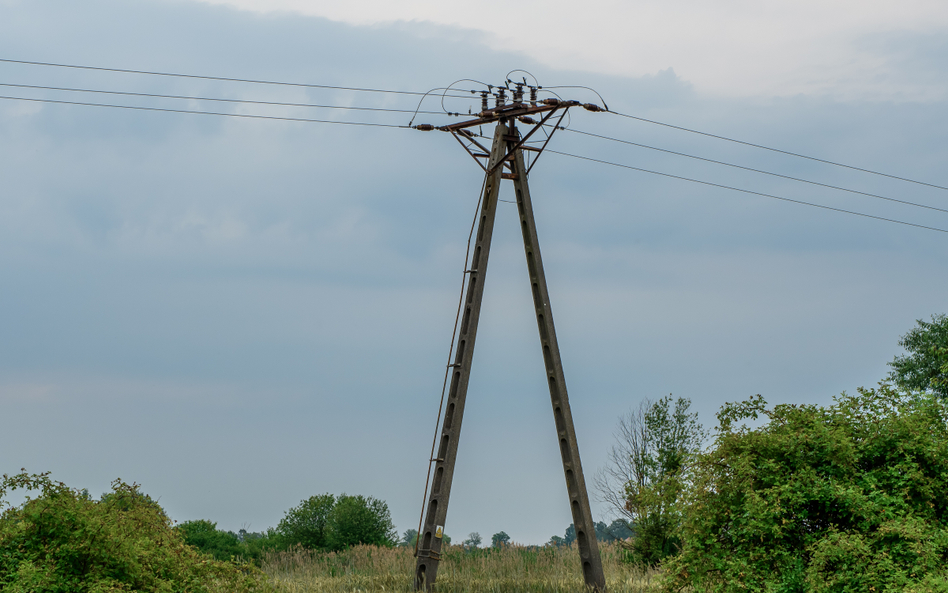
(533, 96)
(527, 120)
(484, 106)
(425, 127)
(518, 94)
(501, 98)
(592, 107)
(551, 101)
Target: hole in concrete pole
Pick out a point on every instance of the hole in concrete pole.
(444, 446)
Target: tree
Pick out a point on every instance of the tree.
(473, 541)
(205, 536)
(305, 525)
(644, 476)
(925, 368)
(409, 538)
(500, 540)
(359, 520)
(849, 497)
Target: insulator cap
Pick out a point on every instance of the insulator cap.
(425, 127)
(592, 107)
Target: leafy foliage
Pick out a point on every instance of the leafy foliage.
(849, 497)
(63, 541)
(926, 365)
(359, 520)
(500, 540)
(409, 538)
(305, 525)
(326, 522)
(225, 545)
(644, 478)
(473, 541)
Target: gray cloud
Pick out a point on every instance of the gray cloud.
(240, 314)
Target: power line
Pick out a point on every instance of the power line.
(242, 115)
(218, 78)
(787, 152)
(746, 191)
(707, 160)
(220, 100)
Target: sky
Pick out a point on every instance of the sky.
(238, 314)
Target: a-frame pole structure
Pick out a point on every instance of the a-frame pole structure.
(505, 160)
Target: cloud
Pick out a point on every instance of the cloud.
(239, 314)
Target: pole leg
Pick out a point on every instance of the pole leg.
(429, 551)
(569, 448)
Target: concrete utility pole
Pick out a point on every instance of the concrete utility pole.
(505, 160)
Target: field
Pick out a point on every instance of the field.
(513, 569)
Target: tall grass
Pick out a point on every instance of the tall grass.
(512, 569)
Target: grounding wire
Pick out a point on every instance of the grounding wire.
(168, 110)
(736, 166)
(217, 99)
(787, 152)
(746, 191)
(205, 77)
(448, 366)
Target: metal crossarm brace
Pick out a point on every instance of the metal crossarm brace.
(507, 143)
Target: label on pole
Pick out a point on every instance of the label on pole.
(439, 531)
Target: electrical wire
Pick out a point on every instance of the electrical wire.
(242, 115)
(217, 99)
(746, 191)
(218, 78)
(787, 152)
(707, 160)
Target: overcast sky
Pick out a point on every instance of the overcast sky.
(238, 314)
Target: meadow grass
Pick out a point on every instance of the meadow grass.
(512, 569)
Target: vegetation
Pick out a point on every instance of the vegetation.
(330, 523)
(849, 497)
(645, 477)
(511, 569)
(226, 545)
(925, 367)
(63, 541)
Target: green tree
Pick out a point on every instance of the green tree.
(305, 525)
(409, 538)
(473, 541)
(359, 520)
(205, 536)
(647, 470)
(63, 541)
(849, 497)
(500, 540)
(925, 367)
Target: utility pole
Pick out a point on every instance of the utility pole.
(505, 160)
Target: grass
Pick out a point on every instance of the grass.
(513, 569)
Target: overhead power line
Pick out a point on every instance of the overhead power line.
(218, 78)
(746, 191)
(726, 164)
(217, 99)
(241, 115)
(787, 152)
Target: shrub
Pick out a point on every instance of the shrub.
(844, 498)
(63, 541)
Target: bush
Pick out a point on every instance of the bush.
(326, 522)
(845, 498)
(65, 542)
